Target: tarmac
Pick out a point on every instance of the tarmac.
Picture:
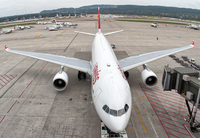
(31, 107)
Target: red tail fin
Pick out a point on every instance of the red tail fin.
(192, 42)
(6, 47)
(99, 18)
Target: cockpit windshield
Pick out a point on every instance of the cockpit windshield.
(116, 112)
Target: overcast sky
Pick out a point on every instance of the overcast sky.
(15, 7)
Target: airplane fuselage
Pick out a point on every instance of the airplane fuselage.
(110, 89)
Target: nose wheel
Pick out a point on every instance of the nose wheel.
(81, 75)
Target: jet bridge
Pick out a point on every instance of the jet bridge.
(186, 83)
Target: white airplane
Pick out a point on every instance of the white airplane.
(194, 26)
(64, 23)
(44, 22)
(53, 27)
(8, 31)
(109, 86)
(155, 25)
(20, 27)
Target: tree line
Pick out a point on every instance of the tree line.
(160, 11)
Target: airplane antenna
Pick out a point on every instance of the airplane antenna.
(99, 19)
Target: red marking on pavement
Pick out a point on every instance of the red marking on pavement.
(35, 76)
(3, 81)
(161, 92)
(12, 76)
(4, 78)
(164, 99)
(179, 110)
(21, 94)
(153, 96)
(165, 103)
(174, 109)
(44, 66)
(29, 84)
(174, 135)
(154, 111)
(8, 77)
(168, 114)
(166, 96)
(167, 110)
(2, 119)
(12, 106)
(153, 101)
(188, 131)
(177, 131)
(1, 84)
(171, 119)
(174, 125)
(32, 81)
(158, 89)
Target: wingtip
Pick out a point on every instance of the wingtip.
(192, 43)
(6, 47)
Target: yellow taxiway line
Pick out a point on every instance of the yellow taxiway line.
(115, 25)
(62, 32)
(145, 130)
(40, 34)
(139, 100)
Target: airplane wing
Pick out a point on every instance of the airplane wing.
(134, 61)
(106, 34)
(85, 33)
(74, 63)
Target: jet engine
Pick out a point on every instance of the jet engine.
(60, 81)
(149, 78)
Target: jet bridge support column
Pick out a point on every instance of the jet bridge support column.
(192, 123)
(189, 110)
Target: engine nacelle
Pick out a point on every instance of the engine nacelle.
(60, 81)
(149, 78)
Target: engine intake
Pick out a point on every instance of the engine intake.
(149, 78)
(60, 81)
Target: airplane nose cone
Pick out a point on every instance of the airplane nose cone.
(118, 125)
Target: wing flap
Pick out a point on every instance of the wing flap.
(74, 63)
(134, 61)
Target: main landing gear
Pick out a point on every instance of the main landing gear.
(81, 75)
